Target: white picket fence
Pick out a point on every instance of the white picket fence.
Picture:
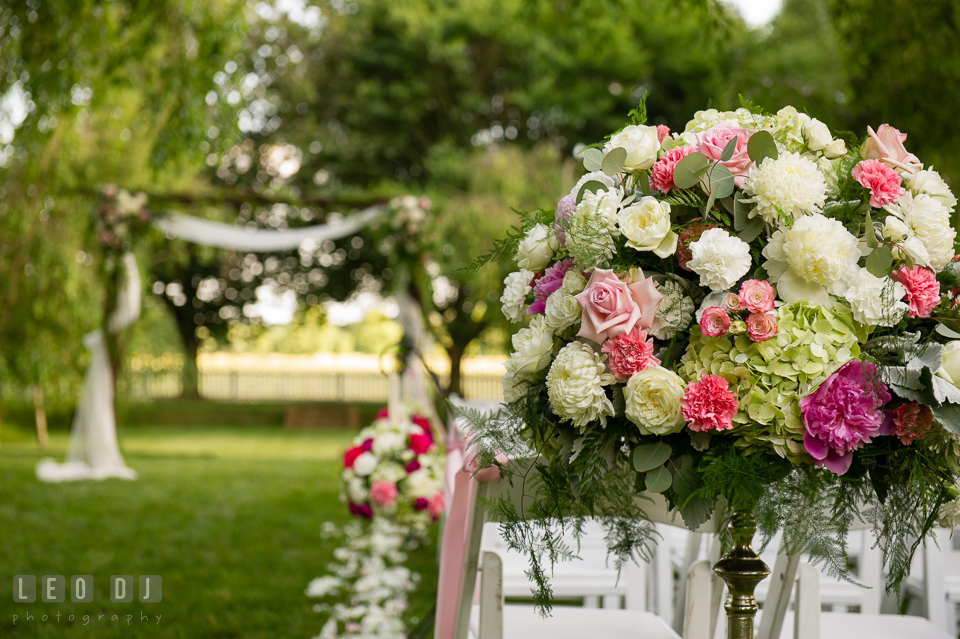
(276, 377)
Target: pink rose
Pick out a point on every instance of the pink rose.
(630, 353)
(761, 326)
(383, 492)
(882, 181)
(757, 296)
(661, 174)
(732, 303)
(714, 321)
(662, 132)
(712, 142)
(886, 145)
(435, 506)
(923, 289)
(611, 306)
(709, 404)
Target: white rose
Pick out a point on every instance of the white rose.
(817, 135)
(875, 301)
(836, 149)
(929, 181)
(537, 248)
(719, 259)
(561, 312)
(641, 144)
(573, 283)
(646, 225)
(364, 464)
(515, 387)
(928, 220)
(950, 365)
(653, 401)
(357, 491)
(575, 386)
(593, 176)
(532, 348)
(389, 443)
(515, 289)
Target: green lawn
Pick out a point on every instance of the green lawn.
(228, 517)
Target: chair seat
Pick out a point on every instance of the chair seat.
(837, 625)
(524, 622)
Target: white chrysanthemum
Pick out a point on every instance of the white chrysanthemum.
(532, 348)
(674, 313)
(814, 258)
(515, 387)
(561, 312)
(929, 181)
(875, 301)
(364, 464)
(537, 248)
(719, 258)
(575, 386)
(785, 188)
(653, 401)
(928, 220)
(516, 286)
(646, 225)
(950, 514)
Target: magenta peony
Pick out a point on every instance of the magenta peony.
(361, 510)
(757, 296)
(661, 173)
(412, 466)
(629, 353)
(547, 284)
(383, 492)
(712, 142)
(420, 504)
(911, 422)
(714, 321)
(611, 306)
(883, 182)
(709, 404)
(923, 289)
(843, 414)
(761, 326)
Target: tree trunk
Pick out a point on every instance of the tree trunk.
(455, 353)
(40, 416)
(188, 335)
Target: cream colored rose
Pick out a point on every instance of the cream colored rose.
(641, 144)
(950, 367)
(653, 401)
(532, 348)
(561, 312)
(817, 135)
(835, 149)
(537, 248)
(646, 225)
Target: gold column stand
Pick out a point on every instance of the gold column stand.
(741, 569)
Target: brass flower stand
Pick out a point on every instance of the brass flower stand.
(741, 569)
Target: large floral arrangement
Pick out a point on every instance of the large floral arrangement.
(394, 470)
(751, 309)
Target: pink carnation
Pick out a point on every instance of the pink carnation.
(548, 284)
(843, 414)
(923, 289)
(435, 505)
(662, 132)
(757, 296)
(714, 321)
(661, 174)
(911, 422)
(761, 326)
(383, 492)
(884, 183)
(709, 404)
(629, 353)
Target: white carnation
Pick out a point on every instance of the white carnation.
(641, 144)
(929, 181)
(719, 259)
(516, 286)
(928, 220)
(575, 386)
(875, 301)
(646, 225)
(786, 187)
(814, 258)
(949, 516)
(817, 135)
(674, 313)
(537, 248)
(532, 348)
(561, 312)
(364, 464)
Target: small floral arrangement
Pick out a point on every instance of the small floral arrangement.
(394, 470)
(121, 217)
(751, 309)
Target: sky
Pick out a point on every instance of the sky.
(756, 13)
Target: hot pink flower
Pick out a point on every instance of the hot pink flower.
(350, 456)
(714, 321)
(709, 404)
(367, 445)
(911, 422)
(611, 306)
(757, 296)
(761, 326)
(712, 142)
(424, 424)
(883, 182)
(661, 174)
(361, 510)
(383, 413)
(923, 289)
(383, 492)
(420, 443)
(662, 132)
(843, 414)
(420, 503)
(548, 284)
(412, 466)
(886, 145)
(630, 353)
(435, 505)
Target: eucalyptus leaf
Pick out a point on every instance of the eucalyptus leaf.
(869, 233)
(761, 146)
(718, 182)
(879, 262)
(592, 159)
(686, 173)
(741, 211)
(914, 256)
(947, 332)
(727, 203)
(751, 230)
(649, 456)
(658, 480)
(729, 149)
(685, 482)
(592, 185)
(613, 161)
(709, 207)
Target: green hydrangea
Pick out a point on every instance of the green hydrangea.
(770, 377)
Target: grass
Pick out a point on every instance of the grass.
(228, 517)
